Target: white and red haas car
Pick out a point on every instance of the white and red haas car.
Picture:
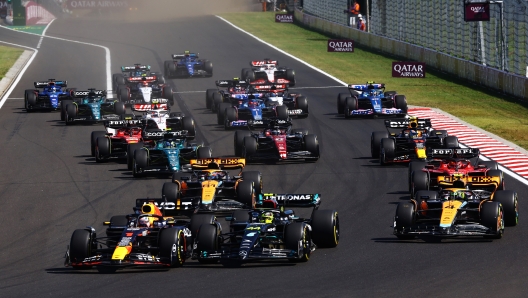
(158, 117)
(264, 71)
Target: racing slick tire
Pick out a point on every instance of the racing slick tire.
(131, 148)
(239, 216)
(208, 67)
(451, 142)
(119, 108)
(341, 97)
(413, 167)
(250, 147)
(217, 100)
(509, 202)
(161, 79)
(229, 116)
(375, 142)
(401, 103)
(171, 191)
(140, 162)
(293, 234)
(389, 94)
(220, 114)
(198, 220)
(30, 99)
(419, 181)
(404, 218)
(351, 104)
(290, 76)
(71, 112)
(80, 247)
(116, 222)
(497, 173)
(387, 148)
(207, 240)
(256, 178)
(189, 125)
(209, 98)
(204, 152)
(302, 131)
(490, 164)
(172, 246)
(123, 94)
(282, 112)
(250, 75)
(166, 69)
(491, 216)
(311, 144)
(64, 103)
(172, 71)
(102, 149)
(167, 93)
(93, 139)
(438, 133)
(246, 193)
(239, 141)
(244, 73)
(325, 228)
(302, 103)
(119, 79)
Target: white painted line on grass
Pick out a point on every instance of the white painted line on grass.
(283, 52)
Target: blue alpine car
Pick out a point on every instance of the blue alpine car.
(371, 99)
(47, 95)
(188, 65)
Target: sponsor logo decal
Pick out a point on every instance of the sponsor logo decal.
(474, 12)
(408, 69)
(340, 45)
(283, 18)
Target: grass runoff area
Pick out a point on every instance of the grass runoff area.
(8, 57)
(484, 108)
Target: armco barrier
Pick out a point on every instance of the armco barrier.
(508, 83)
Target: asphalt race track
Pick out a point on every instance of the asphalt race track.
(50, 185)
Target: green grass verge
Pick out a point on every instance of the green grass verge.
(8, 56)
(498, 114)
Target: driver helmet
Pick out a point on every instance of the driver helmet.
(413, 122)
(275, 132)
(144, 84)
(169, 144)
(53, 89)
(252, 103)
(269, 66)
(144, 222)
(266, 217)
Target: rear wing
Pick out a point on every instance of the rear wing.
(269, 87)
(141, 79)
(149, 107)
(121, 123)
(404, 123)
(225, 163)
(83, 94)
(43, 84)
(473, 182)
(257, 63)
(232, 83)
(180, 56)
(161, 134)
(291, 200)
(465, 153)
(365, 87)
(137, 66)
(169, 208)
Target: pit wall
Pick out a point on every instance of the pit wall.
(504, 82)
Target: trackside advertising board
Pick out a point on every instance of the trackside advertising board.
(340, 45)
(283, 18)
(474, 12)
(402, 69)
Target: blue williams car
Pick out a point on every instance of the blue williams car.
(91, 106)
(47, 95)
(370, 100)
(170, 153)
(188, 65)
(250, 111)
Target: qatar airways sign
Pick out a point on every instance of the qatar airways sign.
(408, 69)
(474, 12)
(340, 45)
(105, 4)
(283, 18)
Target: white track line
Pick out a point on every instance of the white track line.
(107, 53)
